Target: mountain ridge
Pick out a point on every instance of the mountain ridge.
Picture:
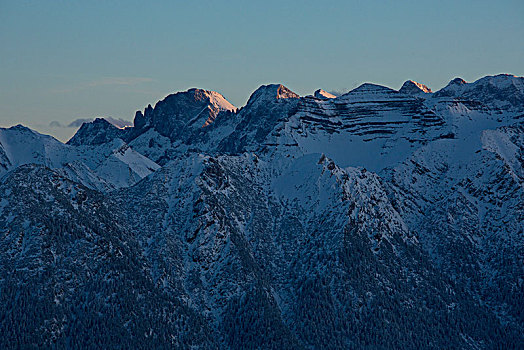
(375, 219)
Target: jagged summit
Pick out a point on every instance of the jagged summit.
(97, 132)
(192, 98)
(184, 117)
(214, 98)
(323, 95)
(411, 87)
(194, 108)
(271, 92)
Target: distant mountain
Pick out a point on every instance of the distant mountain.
(97, 132)
(375, 219)
(411, 87)
(104, 164)
(324, 95)
(500, 92)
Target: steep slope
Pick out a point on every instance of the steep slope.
(468, 212)
(21, 145)
(371, 126)
(175, 123)
(96, 133)
(266, 107)
(116, 162)
(178, 113)
(376, 219)
(93, 284)
(312, 254)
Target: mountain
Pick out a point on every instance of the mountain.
(104, 164)
(183, 111)
(411, 87)
(20, 145)
(97, 132)
(323, 95)
(71, 268)
(178, 118)
(503, 92)
(375, 219)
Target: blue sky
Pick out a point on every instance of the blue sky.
(64, 60)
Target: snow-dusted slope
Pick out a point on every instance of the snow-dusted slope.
(371, 126)
(73, 275)
(376, 219)
(103, 166)
(308, 244)
(95, 133)
(503, 92)
(21, 145)
(117, 163)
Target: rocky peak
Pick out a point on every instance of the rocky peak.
(216, 100)
(270, 93)
(284, 92)
(139, 121)
(194, 109)
(411, 87)
(502, 81)
(503, 91)
(454, 88)
(323, 95)
(20, 127)
(97, 132)
(457, 81)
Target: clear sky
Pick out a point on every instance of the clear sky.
(64, 60)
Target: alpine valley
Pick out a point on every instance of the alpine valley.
(371, 220)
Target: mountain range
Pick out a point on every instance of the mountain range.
(374, 219)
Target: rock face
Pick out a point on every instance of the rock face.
(96, 133)
(323, 95)
(377, 219)
(411, 87)
(179, 113)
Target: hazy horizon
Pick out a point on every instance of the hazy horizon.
(65, 61)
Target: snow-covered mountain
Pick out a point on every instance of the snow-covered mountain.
(102, 165)
(324, 95)
(375, 219)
